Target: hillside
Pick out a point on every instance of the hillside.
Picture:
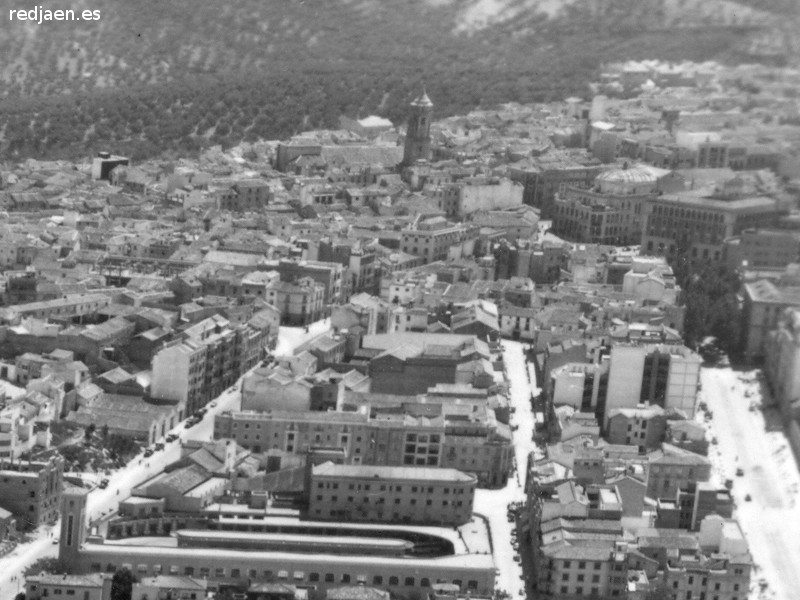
(151, 76)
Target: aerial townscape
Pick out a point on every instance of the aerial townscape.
(537, 351)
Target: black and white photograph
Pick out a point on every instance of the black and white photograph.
(399, 299)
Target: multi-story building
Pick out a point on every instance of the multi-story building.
(331, 275)
(575, 570)
(373, 314)
(417, 361)
(25, 424)
(612, 212)
(69, 307)
(478, 444)
(480, 194)
(763, 307)
(300, 302)
(548, 175)
(643, 426)
(663, 375)
(672, 469)
(422, 495)
(652, 280)
(762, 249)
(246, 195)
(782, 361)
(692, 505)
(697, 223)
(208, 358)
(32, 491)
(432, 239)
(714, 563)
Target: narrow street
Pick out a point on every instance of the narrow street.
(771, 518)
(492, 503)
(103, 502)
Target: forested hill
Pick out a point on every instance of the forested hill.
(161, 75)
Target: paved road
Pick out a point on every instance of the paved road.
(771, 520)
(492, 503)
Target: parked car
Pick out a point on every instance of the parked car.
(103, 483)
(172, 437)
(740, 472)
(148, 452)
(160, 446)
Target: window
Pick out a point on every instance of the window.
(377, 580)
(394, 580)
(313, 577)
(425, 582)
(236, 573)
(345, 578)
(565, 577)
(409, 581)
(329, 578)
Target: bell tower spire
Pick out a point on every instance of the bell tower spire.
(418, 132)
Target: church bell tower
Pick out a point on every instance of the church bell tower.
(418, 132)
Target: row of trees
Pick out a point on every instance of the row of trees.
(710, 293)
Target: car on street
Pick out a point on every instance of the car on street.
(172, 437)
(213, 405)
(148, 452)
(160, 446)
(740, 472)
(103, 483)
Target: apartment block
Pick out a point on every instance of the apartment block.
(208, 358)
(422, 495)
(300, 302)
(663, 375)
